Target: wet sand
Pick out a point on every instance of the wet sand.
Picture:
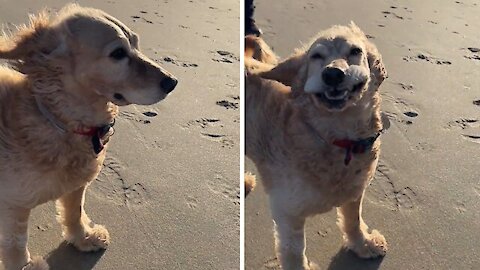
(169, 191)
(425, 197)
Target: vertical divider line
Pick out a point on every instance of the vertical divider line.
(242, 135)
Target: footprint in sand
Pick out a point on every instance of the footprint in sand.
(393, 14)
(463, 123)
(424, 146)
(180, 63)
(150, 114)
(192, 202)
(461, 207)
(476, 102)
(213, 130)
(470, 128)
(233, 103)
(474, 53)
(225, 57)
(408, 87)
(203, 122)
(404, 111)
(429, 59)
(384, 191)
(472, 138)
(131, 116)
(43, 227)
(223, 186)
(228, 104)
(411, 114)
(139, 136)
(112, 186)
(139, 18)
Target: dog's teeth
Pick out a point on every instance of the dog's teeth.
(336, 97)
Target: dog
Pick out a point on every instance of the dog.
(312, 126)
(57, 107)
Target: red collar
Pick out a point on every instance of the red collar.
(91, 131)
(100, 135)
(356, 147)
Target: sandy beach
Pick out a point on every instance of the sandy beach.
(425, 197)
(169, 192)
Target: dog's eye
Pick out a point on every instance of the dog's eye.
(355, 51)
(118, 54)
(316, 56)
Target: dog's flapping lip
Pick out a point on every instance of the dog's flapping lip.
(357, 87)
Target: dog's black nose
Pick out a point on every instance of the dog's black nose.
(168, 84)
(333, 76)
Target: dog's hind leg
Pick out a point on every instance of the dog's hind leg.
(13, 240)
(355, 231)
(77, 227)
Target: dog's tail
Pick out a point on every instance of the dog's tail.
(250, 182)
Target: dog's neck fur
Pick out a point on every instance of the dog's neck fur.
(73, 106)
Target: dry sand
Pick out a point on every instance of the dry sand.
(169, 191)
(425, 197)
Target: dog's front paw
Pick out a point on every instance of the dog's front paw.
(371, 246)
(94, 239)
(37, 263)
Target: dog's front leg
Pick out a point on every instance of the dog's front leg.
(13, 240)
(355, 231)
(290, 241)
(77, 227)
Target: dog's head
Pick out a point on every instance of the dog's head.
(335, 71)
(95, 52)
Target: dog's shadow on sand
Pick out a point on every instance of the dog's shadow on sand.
(65, 256)
(345, 259)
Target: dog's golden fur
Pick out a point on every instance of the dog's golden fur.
(289, 135)
(66, 63)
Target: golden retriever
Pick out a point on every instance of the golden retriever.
(57, 109)
(312, 128)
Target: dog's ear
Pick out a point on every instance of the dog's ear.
(287, 71)
(377, 68)
(375, 63)
(36, 38)
(255, 47)
(132, 36)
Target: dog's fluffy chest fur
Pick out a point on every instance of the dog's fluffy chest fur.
(314, 178)
(38, 162)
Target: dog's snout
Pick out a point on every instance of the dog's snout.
(168, 84)
(333, 76)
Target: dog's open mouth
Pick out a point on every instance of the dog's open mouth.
(119, 100)
(334, 102)
(337, 98)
